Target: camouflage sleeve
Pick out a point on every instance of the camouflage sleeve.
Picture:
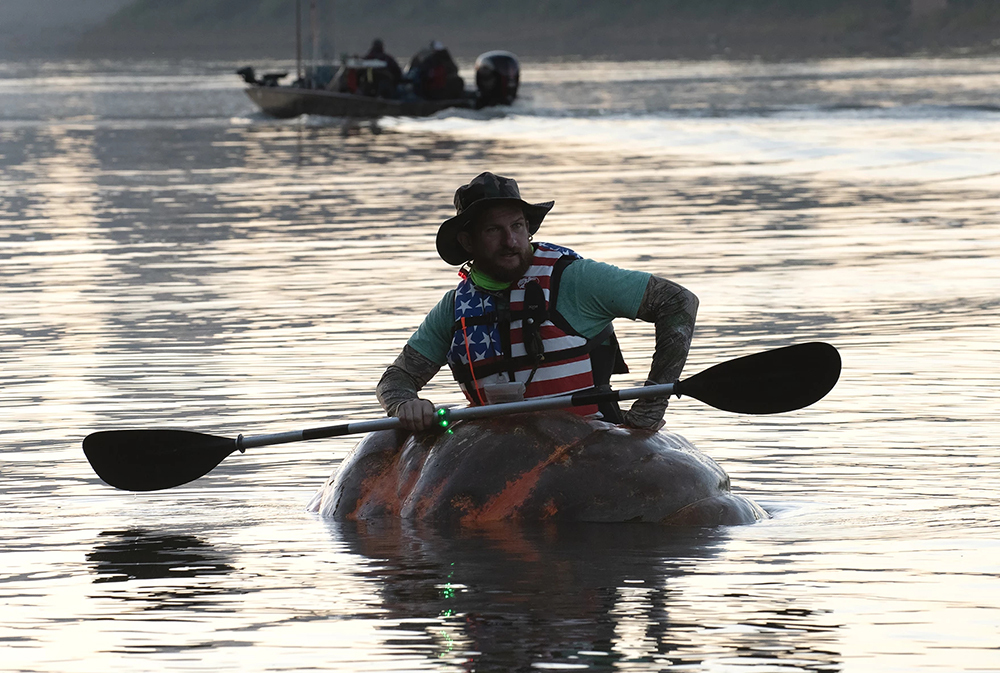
(673, 310)
(404, 378)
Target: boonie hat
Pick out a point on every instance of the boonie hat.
(484, 189)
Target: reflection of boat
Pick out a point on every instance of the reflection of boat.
(354, 90)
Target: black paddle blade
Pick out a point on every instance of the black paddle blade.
(150, 460)
(772, 382)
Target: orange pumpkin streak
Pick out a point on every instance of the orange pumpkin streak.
(505, 504)
(378, 490)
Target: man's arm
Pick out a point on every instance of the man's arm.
(397, 389)
(673, 310)
(421, 358)
(404, 378)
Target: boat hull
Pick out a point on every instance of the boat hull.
(285, 102)
(551, 466)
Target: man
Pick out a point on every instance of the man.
(434, 74)
(532, 319)
(377, 52)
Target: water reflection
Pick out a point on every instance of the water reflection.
(583, 596)
(138, 555)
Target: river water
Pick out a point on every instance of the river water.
(170, 258)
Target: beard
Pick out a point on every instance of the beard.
(507, 265)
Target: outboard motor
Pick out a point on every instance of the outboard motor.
(497, 77)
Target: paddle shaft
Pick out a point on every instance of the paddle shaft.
(465, 413)
(776, 381)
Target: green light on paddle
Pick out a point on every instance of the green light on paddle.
(443, 419)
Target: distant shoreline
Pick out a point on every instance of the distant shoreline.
(256, 48)
(601, 29)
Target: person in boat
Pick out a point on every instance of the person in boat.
(434, 74)
(388, 78)
(532, 319)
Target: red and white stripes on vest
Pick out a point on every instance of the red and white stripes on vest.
(490, 331)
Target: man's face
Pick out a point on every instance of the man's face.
(498, 242)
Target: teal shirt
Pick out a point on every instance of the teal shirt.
(591, 295)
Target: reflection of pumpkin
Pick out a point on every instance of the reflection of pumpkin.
(543, 466)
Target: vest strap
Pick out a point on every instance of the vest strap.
(464, 375)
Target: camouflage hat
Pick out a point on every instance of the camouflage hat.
(470, 199)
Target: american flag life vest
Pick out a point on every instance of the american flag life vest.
(490, 329)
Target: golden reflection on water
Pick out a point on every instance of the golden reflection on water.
(256, 276)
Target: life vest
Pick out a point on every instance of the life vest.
(518, 336)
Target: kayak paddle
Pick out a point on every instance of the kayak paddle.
(775, 381)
